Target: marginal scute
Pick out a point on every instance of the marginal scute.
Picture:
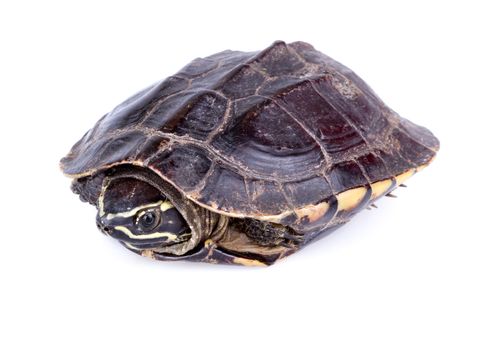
(374, 167)
(346, 175)
(411, 149)
(419, 133)
(394, 161)
(89, 187)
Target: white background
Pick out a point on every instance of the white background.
(417, 273)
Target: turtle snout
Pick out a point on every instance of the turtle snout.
(102, 227)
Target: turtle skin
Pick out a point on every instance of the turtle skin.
(259, 135)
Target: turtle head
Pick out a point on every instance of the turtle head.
(139, 215)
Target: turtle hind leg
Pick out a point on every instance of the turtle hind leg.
(268, 233)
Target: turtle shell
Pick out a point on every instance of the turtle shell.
(257, 134)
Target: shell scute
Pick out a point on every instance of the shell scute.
(243, 83)
(278, 60)
(168, 111)
(203, 116)
(269, 141)
(277, 85)
(184, 165)
(307, 106)
(227, 190)
(132, 111)
(267, 197)
(369, 118)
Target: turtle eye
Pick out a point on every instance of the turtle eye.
(149, 220)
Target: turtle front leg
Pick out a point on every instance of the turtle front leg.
(269, 234)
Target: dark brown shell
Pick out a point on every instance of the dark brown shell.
(258, 133)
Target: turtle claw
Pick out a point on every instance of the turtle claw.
(292, 240)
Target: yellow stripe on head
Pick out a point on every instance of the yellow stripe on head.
(166, 205)
(128, 233)
(101, 212)
(134, 211)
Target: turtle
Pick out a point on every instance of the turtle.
(244, 157)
